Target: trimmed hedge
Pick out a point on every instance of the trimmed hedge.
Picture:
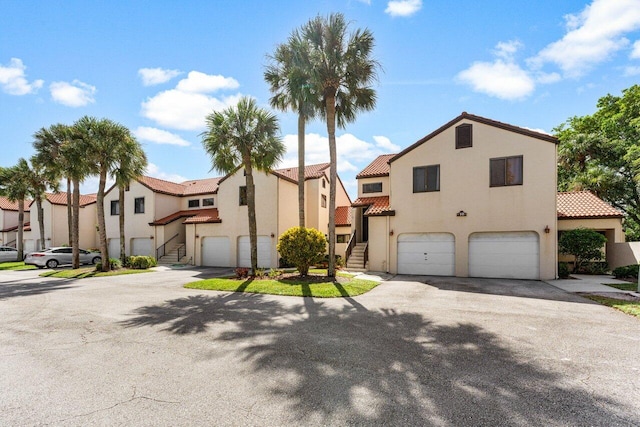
(141, 262)
(626, 272)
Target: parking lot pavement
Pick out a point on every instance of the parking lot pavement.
(142, 350)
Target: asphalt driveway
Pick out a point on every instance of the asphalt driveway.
(141, 350)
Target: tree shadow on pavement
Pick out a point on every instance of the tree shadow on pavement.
(339, 364)
(15, 289)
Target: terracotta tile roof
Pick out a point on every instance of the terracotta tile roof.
(200, 186)
(61, 199)
(210, 216)
(310, 172)
(27, 226)
(584, 204)
(479, 119)
(6, 205)
(211, 212)
(343, 216)
(162, 186)
(379, 167)
(378, 206)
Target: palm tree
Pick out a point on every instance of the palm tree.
(39, 179)
(131, 164)
(106, 143)
(14, 186)
(288, 79)
(244, 135)
(342, 71)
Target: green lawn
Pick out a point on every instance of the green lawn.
(630, 286)
(312, 286)
(629, 307)
(16, 266)
(81, 273)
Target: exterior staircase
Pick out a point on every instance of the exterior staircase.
(356, 259)
(171, 257)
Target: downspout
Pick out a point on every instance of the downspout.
(388, 244)
(195, 241)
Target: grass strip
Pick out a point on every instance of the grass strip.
(82, 273)
(633, 287)
(16, 266)
(628, 307)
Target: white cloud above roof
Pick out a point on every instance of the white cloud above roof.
(156, 76)
(403, 8)
(197, 82)
(385, 143)
(504, 80)
(159, 136)
(13, 79)
(154, 171)
(635, 51)
(74, 94)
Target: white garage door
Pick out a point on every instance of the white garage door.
(510, 255)
(142, 246)
(29, 246)
(114, 248)
(216, 252)
(264, 251)
(431, 254)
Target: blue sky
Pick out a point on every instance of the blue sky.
(159, 67)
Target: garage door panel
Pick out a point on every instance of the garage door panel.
(216, 251)
(513, 255)
(426, 254)
(114, 248)
(264, 251)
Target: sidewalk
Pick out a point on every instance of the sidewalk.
(589, 284)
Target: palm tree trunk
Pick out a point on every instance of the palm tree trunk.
(301, 130)
(19, 239)
(75, 235)
(251, 208)
(333, 177)
(40, 222)
(69, 212)
(102, 232)
(121, 209)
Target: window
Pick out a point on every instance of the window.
(194, 203)
(324, 183)
(323, 202)
(138, 205)
(464, 136)
(115, 207)
(342, 238)
(243, 195)
(506, 171)
(207, 202)
(426, 178)
(373, 187)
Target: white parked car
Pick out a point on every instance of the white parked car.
(53, 257)
(8, 254)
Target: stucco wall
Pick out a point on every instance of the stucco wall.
(612, 228)
(464, 186)
(621, 254)
(385, 186)
(184, 201)
(379, 246)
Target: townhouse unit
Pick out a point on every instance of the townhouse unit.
(9, 221)
(56, 224)
(476, 197)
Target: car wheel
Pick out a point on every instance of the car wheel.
(52, 263)
(96, 260)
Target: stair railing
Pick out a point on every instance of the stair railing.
(182, 252)
(366, 255)
(350, 246)
(160, 252)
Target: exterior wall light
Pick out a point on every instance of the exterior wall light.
(391, 233)
(461, 213)
(273, 235)
(547, 229)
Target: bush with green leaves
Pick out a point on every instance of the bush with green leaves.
(584, 244)
(115, 263)
(626, 272)
(302, 247)
(563, 270)
(140, 262)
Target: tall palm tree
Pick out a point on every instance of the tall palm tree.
(14, 186)
(132, 162)
(244, 135)
(342, 70)
(104, 140)
(39, 180)
(289, 82)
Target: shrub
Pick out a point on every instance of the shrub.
(600, 267)
(241, 272)
(584, 244)
(283, 263)
(563, 270)
(302, 247)
(142, 262)
(275, 273)
(626, 272)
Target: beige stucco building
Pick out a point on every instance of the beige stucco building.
(9, 221)
(476, 197)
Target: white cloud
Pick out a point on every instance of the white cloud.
(184, 110)
(386, 144)
(403, 7)
(546, 78)
(635, 52)
(593, 36)
(155, 172)
(507, 50)
(631, 71)
(159, 136)
(13, 80)
(197, 82)
(74, 94)
(504, 80)
(156, 76)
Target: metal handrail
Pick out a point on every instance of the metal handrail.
(163, 247)
(182, 252)
(366, 255)
(350, 246)
(11, 244)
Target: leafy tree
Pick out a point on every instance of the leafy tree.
(584, 244)
(39, 179)
(601, 153)
(288, 77)
(302, 247)
(244, 136)
(15, 187)
(342, 71)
